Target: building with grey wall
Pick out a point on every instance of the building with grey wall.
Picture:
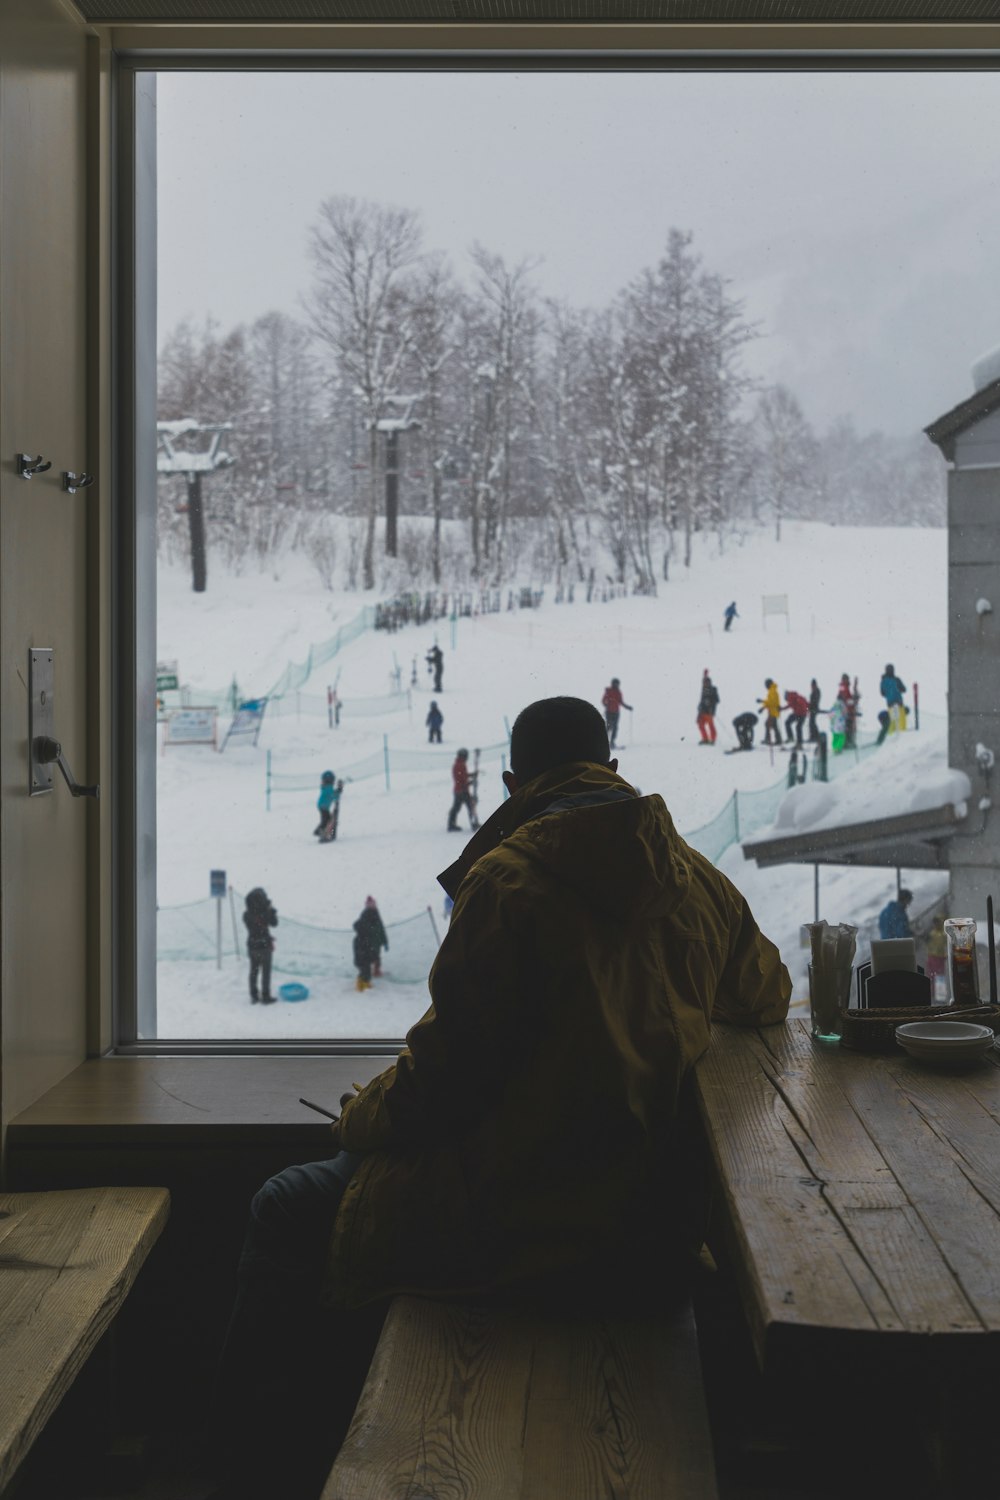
(969, 438)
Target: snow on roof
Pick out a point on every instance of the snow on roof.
(181, 461)
(909, 773)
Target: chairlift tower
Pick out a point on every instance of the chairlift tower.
(399, 419)
(172, 458)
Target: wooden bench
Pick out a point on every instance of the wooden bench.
(67, 1261)
(470, 1402)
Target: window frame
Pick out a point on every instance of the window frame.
(138, 55)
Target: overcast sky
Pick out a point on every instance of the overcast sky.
(856, 214)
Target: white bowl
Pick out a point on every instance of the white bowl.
(945, 1041)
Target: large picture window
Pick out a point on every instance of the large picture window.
(474, 387)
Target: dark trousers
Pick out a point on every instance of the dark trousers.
(793, 726)
(434, 736)
(290, 1372)
(260, 967)
(771, 729)
(611, 720)
(462, 799)
(437, 682)
(813, 726)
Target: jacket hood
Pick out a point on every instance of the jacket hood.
(584, 825)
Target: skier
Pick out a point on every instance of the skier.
(770, 706)
(744, 724)
(369, 940)
(463, 782)
(892, 690)
(707, 704)
(838, 726)
(325, 802)
(893, 921)
(434, 720)
(731, 615)
(258, 916)
(796, 718)
(849, 697)
(435, 664)
(814, 709)
(613, 702)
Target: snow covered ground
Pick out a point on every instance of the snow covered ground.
(858, 598)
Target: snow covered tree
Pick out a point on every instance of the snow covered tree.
(788, 451)
(362, 253)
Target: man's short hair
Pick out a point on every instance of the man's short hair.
(905, 896)
(553, 732)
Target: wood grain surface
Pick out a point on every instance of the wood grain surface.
(67, 1261)
(485, 1403)
(861, 1194)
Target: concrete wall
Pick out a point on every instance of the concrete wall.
(44, 841)
(974, 675)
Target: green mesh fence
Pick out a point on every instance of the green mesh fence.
(384, 763)
(315, 705)
(307, 952)
(714, 838)
(296, 674)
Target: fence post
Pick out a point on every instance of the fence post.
(267, 783)
(385, 753)
(736, 814)
(434, 927)
(916, 705)
(236, 935)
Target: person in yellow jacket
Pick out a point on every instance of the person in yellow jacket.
(527, 1135)
(770, 707)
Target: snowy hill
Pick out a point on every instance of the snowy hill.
(857, 599)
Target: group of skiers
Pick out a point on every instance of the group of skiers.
(260, 916)
(801, 711)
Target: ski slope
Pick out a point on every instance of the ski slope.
(858, 598)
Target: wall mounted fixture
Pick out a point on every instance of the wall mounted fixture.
(73, 482)
(27, 466)
(44, 750)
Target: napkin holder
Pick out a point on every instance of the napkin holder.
(893, 989)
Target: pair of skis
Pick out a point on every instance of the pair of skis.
(473, 793)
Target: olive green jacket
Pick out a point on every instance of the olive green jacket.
(589, 950)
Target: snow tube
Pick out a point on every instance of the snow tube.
(293, 992)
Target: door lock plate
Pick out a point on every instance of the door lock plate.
(41, 716)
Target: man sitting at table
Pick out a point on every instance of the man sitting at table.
(527, 1136)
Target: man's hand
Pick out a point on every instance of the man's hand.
(335, 1125)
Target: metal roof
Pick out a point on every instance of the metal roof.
(542, 12)
(946, 429)
(914, 841)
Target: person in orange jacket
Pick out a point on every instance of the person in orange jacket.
(613, 702)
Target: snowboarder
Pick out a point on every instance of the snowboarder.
(463, 781)
(814, 709)
(329, 833)
(613, 702)
(435, 664)
(893, 921)
(325, 802)
(258, 917)
(434, 720)
(892, 690)
(369, 940)
(849, 697)
(770, 707)
(796, 718)
(745, 724)
(707, 704)
(731, 614)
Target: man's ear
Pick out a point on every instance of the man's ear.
(612, 765)
(509, 781)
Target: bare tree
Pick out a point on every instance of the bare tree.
(788, 449)
(434, 296)
(361, 252)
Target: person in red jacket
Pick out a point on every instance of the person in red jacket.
(613, 702)
(463, 782)
(799, 712)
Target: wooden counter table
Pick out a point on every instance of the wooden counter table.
(860, 1200)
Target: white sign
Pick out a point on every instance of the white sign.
(191, 726)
